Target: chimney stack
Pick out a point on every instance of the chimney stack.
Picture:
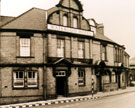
(100, 29)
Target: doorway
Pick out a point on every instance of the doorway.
(99, 83)
(61, 86)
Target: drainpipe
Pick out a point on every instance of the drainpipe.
(44, 58)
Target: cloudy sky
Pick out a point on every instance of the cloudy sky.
(118, 16)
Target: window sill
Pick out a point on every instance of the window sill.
(81, 85)
(24, 88)
(24, 56)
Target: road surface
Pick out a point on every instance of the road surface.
(118, 101)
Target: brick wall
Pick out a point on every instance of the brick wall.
(73, 81)
(10, 49)
(51, 81)
(96, 54)
(7, 84)
(110, 55)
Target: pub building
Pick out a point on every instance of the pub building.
(45, 54)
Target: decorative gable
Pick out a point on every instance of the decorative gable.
(71, 4)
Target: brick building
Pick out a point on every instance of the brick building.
(132, 70)
(47, 53)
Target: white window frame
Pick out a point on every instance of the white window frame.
(65, 20)
(60, 73)
(32, 82)
(81, 77)
(27, 82)
(24, 47)
(75, 22)
(60, 47)
(18, 80)
(103, 52)
(80, 49)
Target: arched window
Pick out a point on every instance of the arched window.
(65, 20)
(93, 25)
(75, 22)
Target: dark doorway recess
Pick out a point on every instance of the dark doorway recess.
(61, 86)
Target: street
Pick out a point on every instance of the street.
(118, 101)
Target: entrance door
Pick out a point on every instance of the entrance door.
(61, 83)
(60, 89)
(99, 83)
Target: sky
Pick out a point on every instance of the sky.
(118, 16)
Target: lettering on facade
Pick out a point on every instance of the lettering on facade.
(69, 30)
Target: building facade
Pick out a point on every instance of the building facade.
(132, 70)
(57, 52)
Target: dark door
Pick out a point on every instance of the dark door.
(61, 86)
(119, 85)
(99, 83)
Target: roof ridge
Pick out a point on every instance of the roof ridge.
(20, 16)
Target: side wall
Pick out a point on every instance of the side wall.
(12, 95)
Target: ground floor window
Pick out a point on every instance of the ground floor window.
(81, 77)
(106, 79)
(25, 79)
(113, 77)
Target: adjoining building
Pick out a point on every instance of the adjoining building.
(47, 53)
(132, 70)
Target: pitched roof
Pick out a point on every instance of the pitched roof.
(103, 37)
(5, 19)
(33, 19)
(132, 61)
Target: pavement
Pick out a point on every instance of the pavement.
(70, 99)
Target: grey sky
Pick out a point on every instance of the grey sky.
(118, 16)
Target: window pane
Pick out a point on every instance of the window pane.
(106, 79)
(18, 80)
(21, 74)
(103, 52)
(65, 20)
(60, 48)
(24, 46)
(29, 74)
(32, 79)
(75, 22)
(80, 49)
(81, 77)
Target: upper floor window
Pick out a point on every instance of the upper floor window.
(60, 47)
(24, 46)
(65, 20)
(80, 49)
(103, 53)
(75, 22)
